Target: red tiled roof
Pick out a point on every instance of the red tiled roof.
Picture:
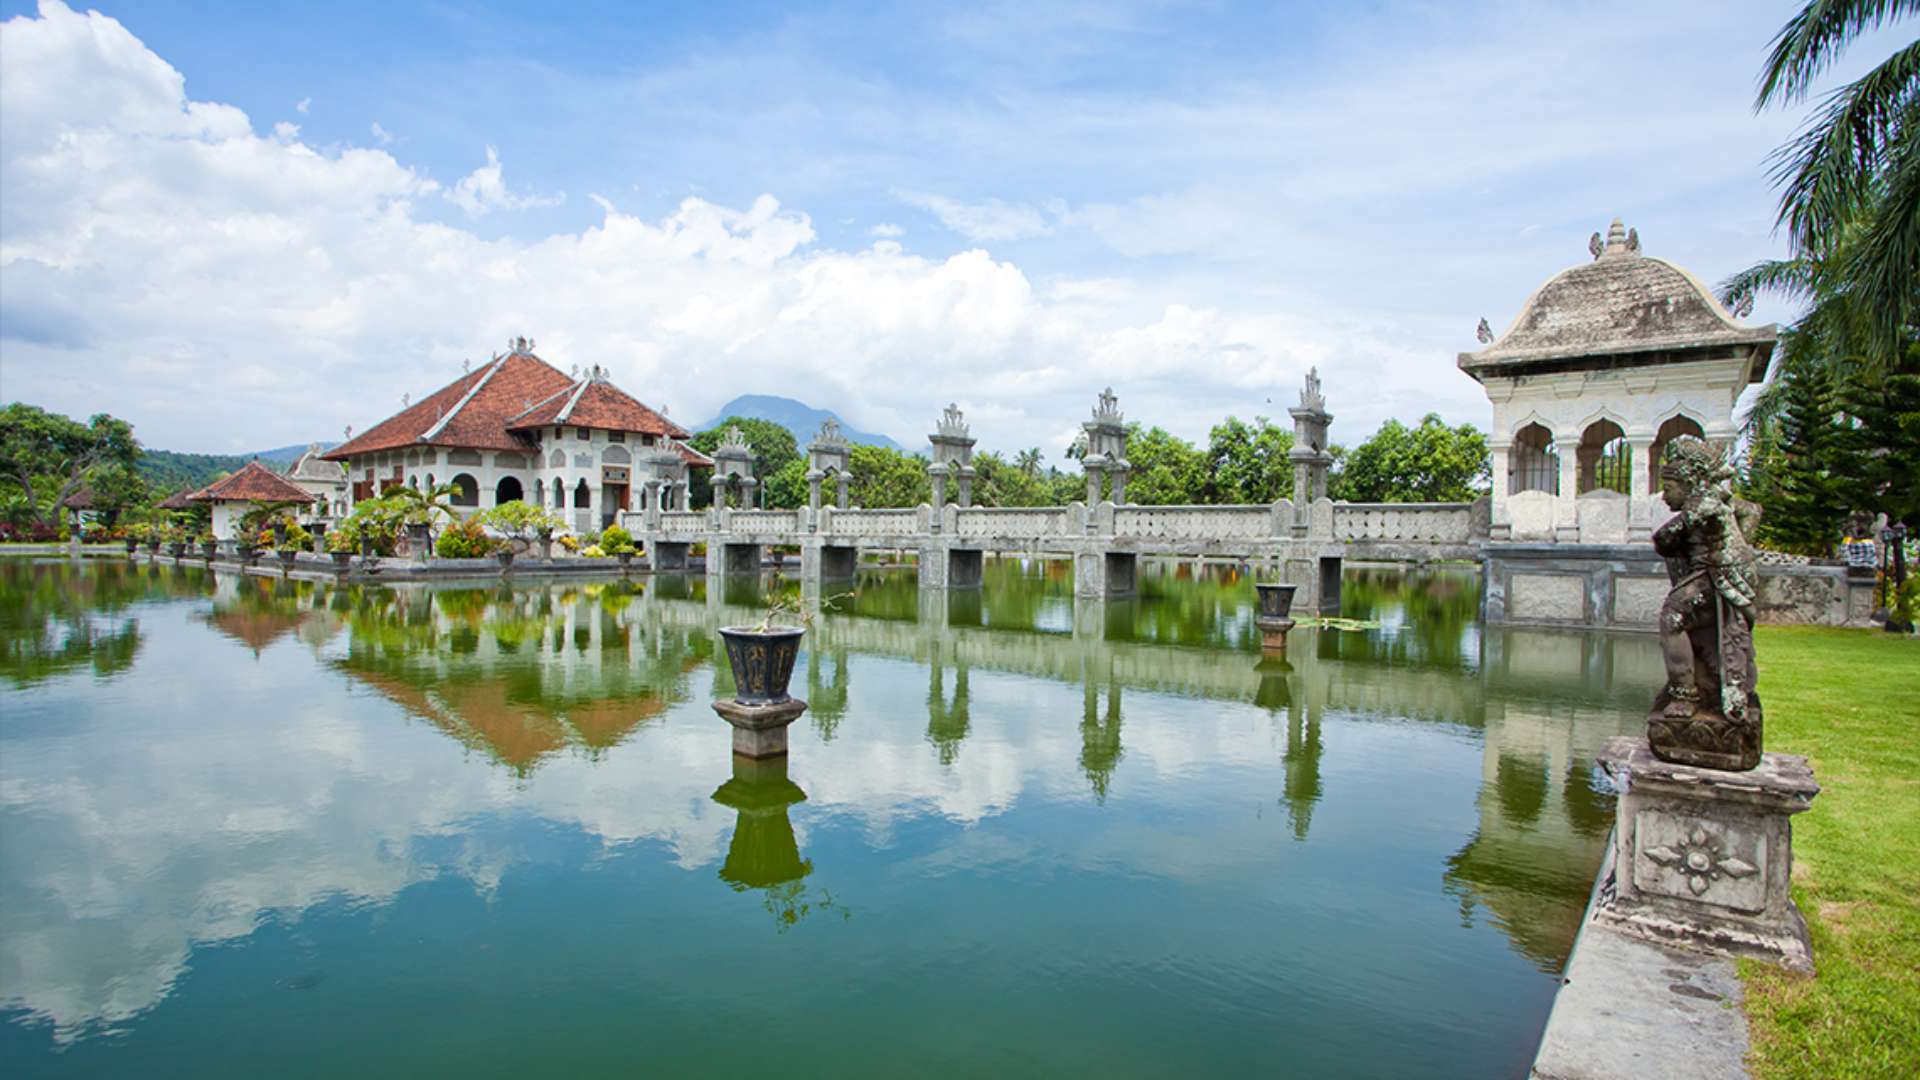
(253, 483)
(693, 457)
(595, 403)
(179, 500)
(471, 411)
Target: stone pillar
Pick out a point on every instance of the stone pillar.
(1704, 857)
(840, 490)
(1120, 487)
(1566, 511)
(1639, 501)
(1502, 527)
(1093, 485)
(938, 474)
(966, 487)
(814, 476)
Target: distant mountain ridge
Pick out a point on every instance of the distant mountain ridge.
(801, 419)
(169, 470)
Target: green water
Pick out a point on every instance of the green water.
(251, 827)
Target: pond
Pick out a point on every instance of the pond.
(251, 826)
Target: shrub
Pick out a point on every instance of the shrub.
(616, 540)
(464, 540)
(593, 551)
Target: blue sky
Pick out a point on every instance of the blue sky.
(875, 211)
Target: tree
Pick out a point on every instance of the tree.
(787, 488)
(1028, 461)
(773, 447)
(883, 476)
(50, 456)
(1797, 469)
(1248, 462)
(117, 488)
(1430, 463)
(1167, 470)
(1851, 177)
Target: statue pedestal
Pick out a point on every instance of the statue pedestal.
(1273, 633)
(760, 731)
(1703, 858)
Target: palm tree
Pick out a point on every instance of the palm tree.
(421, 505)
(1028, 461)
(1852, 176)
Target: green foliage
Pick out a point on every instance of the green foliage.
(464, 540)
(374, 522)
(521, 520)
(169, 471)
(885, 477)
(616, 540)
(773, 448)
(1430, 463)
(1003, 484)
(45, 457)
(1167, 470)
(1248, 462)
(787, 488)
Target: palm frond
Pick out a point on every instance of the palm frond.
(1827, 171)
(1886, 260)
(1794, 279)
(1814, 38)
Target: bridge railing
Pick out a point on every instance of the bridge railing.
(683, 522)
(786, 522)
(906, 522)
(1255, 522)
(1019, 522)
(1429, 522)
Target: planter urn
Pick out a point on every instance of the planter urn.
(132, 546)
(177, 548)
(153, 547)
(341, 560)
(761, 709)
(505, 555)
(626, 560)
(287, 556)
(209, 548)
(1275, 617)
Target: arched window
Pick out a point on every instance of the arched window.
(1669, 431)
(1605, 459)
(582, 496)
(508, 490)
(1533, 464)
(466, 490)
(539, 493)
(413, 482)
(559, 493)
(429, 481)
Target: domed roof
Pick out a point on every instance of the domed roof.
(1621, 303)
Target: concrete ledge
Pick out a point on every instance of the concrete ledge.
(1630, 1009)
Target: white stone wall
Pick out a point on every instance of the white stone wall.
(1639, 400)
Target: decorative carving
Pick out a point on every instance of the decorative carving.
(1633, 241)
(952, 424)
(1310, 396)
(1108, 410)
(1484, 333)
(1743, 305)
(1702, 857)
(830, 433)
(732, 440)
(1594, 245)
(1708, 715)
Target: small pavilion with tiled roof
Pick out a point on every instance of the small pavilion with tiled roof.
(179, 500)
(1605, 364)
(233, 496)
(517, 428)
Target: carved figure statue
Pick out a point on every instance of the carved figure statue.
(1484, 332)
(1708, 715)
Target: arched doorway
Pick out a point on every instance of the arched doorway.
(466, 490)
(508, 490)
(1533, 464)
(1605, 459)
(1669, 431)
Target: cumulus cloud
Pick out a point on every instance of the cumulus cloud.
(162, 260)
(484, 190)
(886, 230)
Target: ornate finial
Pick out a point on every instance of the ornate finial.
(1616, 240)
(406, 400)
(466, 365)
(573, 370)
(1633, 241)
(1594, 245)
(952, 424)
(1743, 305)
(830, 434)
(1310, 395)
(1484, 333)
(732, 439)
(1109, 408)
(348, 433)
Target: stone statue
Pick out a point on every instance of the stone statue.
(1484, 333)
(1708, 715)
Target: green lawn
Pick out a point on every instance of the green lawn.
(1850, 701)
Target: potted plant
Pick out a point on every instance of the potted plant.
(134, 534)
(521, 521)
(618, 542)
(1276, 614)
(762, 655)
(289, 540)
(208, 545)
(341, 542)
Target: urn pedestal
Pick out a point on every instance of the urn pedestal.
(1703, 858)
(760, 730)
(1276, 616)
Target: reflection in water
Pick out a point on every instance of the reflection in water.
(293, 780)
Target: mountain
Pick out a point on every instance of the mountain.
(798, 417)
(169, 470)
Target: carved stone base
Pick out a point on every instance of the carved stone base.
(1706, 740)
(760, 731)
(1703, 857)
(1273, 633)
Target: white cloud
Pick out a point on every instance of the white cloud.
(385, 138)
(302, 105)
(161, 260)
(887, 230)
(484, 190)
(988, 220)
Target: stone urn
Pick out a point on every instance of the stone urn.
(287, 556)
(209, 548)
(132, 545)
(505, 555)
(626, 560)
(247, 551)
(761, 709)
(319, 533)
(341, 560)
(1275, 617)
(417, 537)
(153, 547)
(177, 548)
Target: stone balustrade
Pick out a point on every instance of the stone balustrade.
(1443, 523)
(858, 522)
(1249, 522)
(682, 523)
(764, 522)
(996, 522)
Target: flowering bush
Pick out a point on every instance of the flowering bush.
(617, 541)
(465, 540)
(571, 543)
(593, 551)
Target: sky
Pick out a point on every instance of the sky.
(241, 227)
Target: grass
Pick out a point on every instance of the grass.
(1850, 701)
